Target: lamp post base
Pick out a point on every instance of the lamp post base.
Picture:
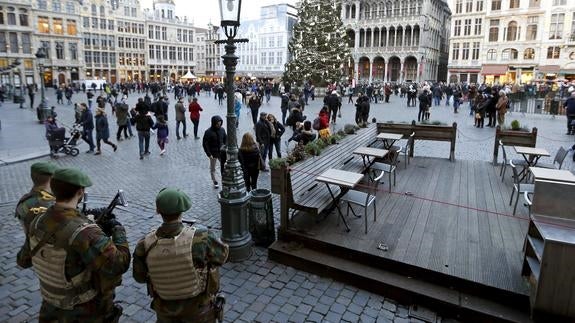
(235, 230)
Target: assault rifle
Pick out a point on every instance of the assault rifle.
(102, 215)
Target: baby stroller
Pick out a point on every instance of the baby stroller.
(60, 143)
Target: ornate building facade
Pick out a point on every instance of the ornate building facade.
(397, 41)
(512, 41)
(16, 34)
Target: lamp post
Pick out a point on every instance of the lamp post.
(233, 198)
(42, 108)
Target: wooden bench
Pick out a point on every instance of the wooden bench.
(301, 192)
(423, 132)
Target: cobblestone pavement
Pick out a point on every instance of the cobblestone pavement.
(257, 289)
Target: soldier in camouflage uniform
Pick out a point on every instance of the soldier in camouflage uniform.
(183, 284)
(78, 262)
(39, 198)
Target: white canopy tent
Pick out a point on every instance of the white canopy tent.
(189, 76)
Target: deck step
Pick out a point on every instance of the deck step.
(447, 302)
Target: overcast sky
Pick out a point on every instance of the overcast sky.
(204, 11)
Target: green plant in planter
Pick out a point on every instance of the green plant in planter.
(437, 123)
(297, 154)
(340, 133)
(515, 125)
(277, 163)
(313, 148)
(350, 129)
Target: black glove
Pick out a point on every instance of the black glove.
(108, 226)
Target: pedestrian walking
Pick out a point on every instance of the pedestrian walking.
(180, 263)
(194, 108)
(334, 104)
(87, 123)
(569, 106)
(102, 131)
(40, 196)
(255, 103)
(144, 123)
(162, 133)
(31, 94)
(277, 136)
(424, 105)
(214, 143)
(501, 108)
(122, 111)
(79, 263)
(180, 118)
(250, 159)
(284, 107)
(264, 133)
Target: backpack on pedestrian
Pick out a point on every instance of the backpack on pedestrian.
(316, 124)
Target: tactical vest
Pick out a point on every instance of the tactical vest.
(49, 262)
(171, 266)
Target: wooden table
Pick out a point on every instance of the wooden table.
(557, 175)
(345, 180)
(367, 152)
(389, 138)
(531, 156)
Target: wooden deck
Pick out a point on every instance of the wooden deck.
(435, 220)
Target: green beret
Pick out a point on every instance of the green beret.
(172, 201)
(43, 168)
(72, 176)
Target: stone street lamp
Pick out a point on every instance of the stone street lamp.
(42, 108)
(233, 198)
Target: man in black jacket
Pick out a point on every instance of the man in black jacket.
(334, 105)
(569, 106)
(255, 103)
(144, 123)
(264, 136)
(214, 139)
(87, 122)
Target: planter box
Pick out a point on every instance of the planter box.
(513, 138)
(275, 180)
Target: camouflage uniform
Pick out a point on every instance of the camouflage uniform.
(207, 249)
(107, 259)
(30, 205)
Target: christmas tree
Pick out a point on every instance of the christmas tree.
(319, 45)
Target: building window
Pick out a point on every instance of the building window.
(494, 30)
(465, 51)
(529, 53)
(88, 57)
(11, 16)
(534, 3)
(553, 52)
(142, 44)
(509, 54)
(94, 10)
(158, 32)
(514, 4)
(491, 55)
(458, 6)
(532, 22)
(56, 6)
(85, 22)
(110, 24)
(70, 7)
(73, 48)
(263, 58)
(468, 5)
(467, 27)
(559, 2)
(164, 33)
(43, 25)
(185, 53)
(158, 52)
(42, 5)
(495, 4)
(455, 52)
(58, 27)
(46, 45)
(96, 58)
(457, 28)
(478, 23)
(475, 51)
(512, 31)
(479, 6)
(59, 50)
(71, 27)
(23, 15)
(13, 42)
(26, 44)
(151, 51)
(2, 42)
(572, 35)
(164, 52)
(94, 23)
(556, 27)
(179, 53)
(121, 42)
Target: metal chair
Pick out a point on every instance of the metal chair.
(363, 199)
(559, 158)
(520, 188)
(407, 148)
(387, 167)
(506, 162)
